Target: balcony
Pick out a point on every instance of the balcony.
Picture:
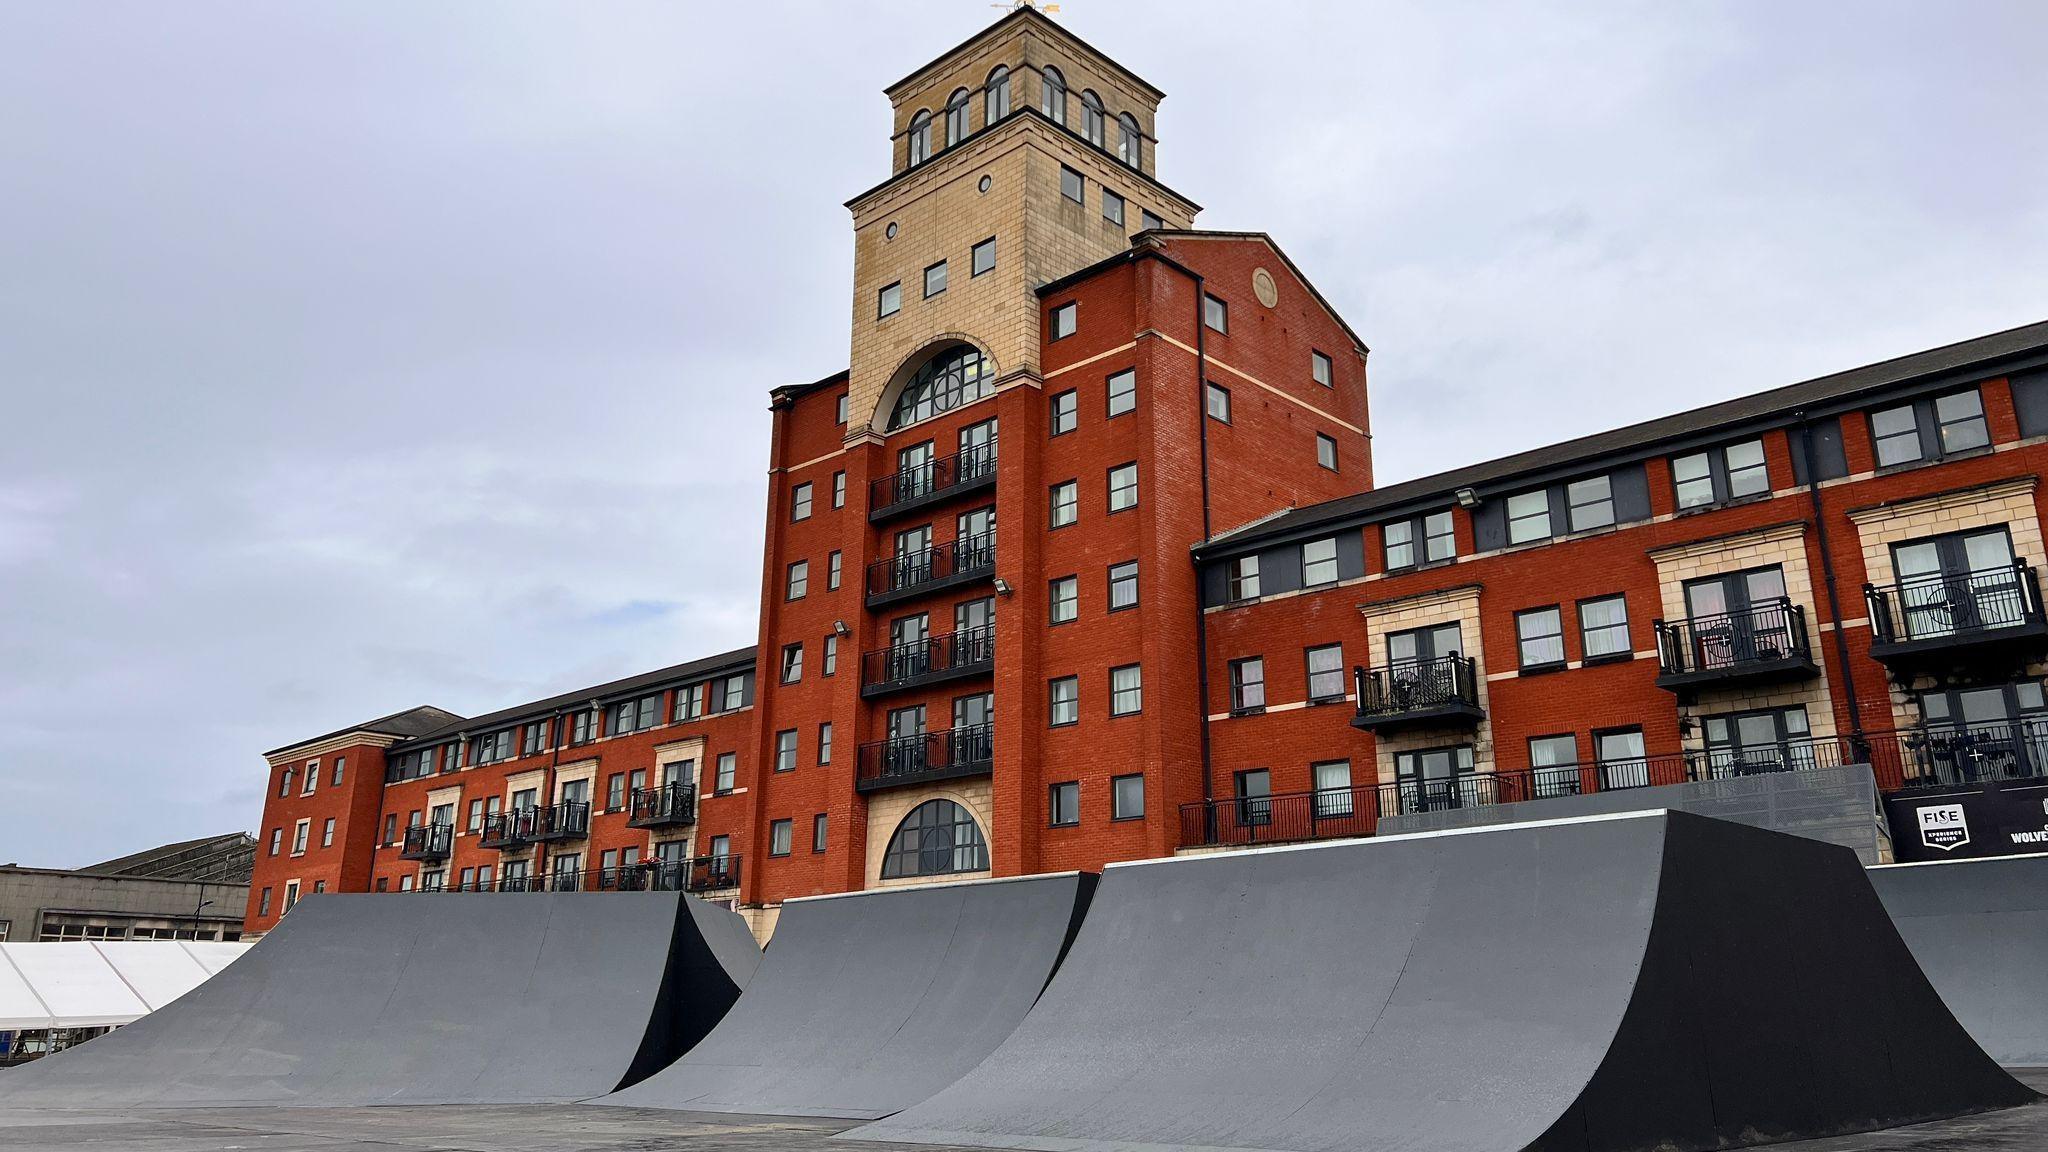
(932, 660)
(1949, 757)
(1440, 693)
(924, 758)
(501, 830)
(427, 842)
(671, 805)
(1925, 621)
(970, 470)
(949, 565)
(568, 820)
(1762, 643)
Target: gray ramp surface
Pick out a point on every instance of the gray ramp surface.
(870, 1002)
(1980, 931)
(424, 999)
(1655, 980)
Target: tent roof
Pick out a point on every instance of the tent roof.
(91, 984)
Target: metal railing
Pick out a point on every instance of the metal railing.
(567, 820)
(967, 556)
(928, 755)
(1762, 634)
(1411, 686)
(1944, 605)
(1960, 756)
(932, 478)
(968, 650)
(667, 804)
(427, 842)
(698, 874)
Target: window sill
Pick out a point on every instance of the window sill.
(1326, 701)
(1610, 658)
(1542, 669)
(1065, 824)
(1258, 711)
(1139, 818)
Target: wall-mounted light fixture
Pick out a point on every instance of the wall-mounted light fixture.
(839, 628)
(1467, 498)
(1003, 587)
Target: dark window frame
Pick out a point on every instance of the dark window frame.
(1321, 368)
(1072, 396)
(1221, 312)
(944, 278)
(1110, 393)
(1110, 487)
(1522, 661)
(1054, 806)
(1210, 391)
(1052, 599)
(974, 266)
(1067, 314)
(1239, 683)
(1325, 440)
(1052, 701)
(1586, 653)
(1308, 665)
(1116, 812)
(1115, 579)
(882, 309)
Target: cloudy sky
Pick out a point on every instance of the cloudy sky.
(361, 355)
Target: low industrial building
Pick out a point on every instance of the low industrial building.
(190, 890)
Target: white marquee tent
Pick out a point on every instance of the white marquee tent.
(94, 984)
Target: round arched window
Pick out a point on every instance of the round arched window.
(938, 838)
(954, 377)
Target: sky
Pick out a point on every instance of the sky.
(358, 356)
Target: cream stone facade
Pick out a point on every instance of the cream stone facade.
(1429, 609)
(887, 810)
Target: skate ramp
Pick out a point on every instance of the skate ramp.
(1980, 931)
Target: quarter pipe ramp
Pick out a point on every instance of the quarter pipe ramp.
(869, 1002)
(1650, 980)
(424, 999)
(1980, 931)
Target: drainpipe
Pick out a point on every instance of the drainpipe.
(1201, 617)
(1804, 440)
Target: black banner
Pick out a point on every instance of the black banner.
(1968, 822)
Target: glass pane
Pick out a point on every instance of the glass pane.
(1988, 550)
(1917, 560)
(1765, 584)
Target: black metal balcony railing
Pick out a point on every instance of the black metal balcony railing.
(568, 820)
(1763, 641)
(946, 656)
(1923, 614)
(1443, 690)
(925, 757)
(501, 830)
(427, 842)
(1946, 756)
(955, 562)
(920, 484)
(666, 805)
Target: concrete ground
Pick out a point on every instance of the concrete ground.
(570, 1128)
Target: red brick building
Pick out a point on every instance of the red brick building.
(1081, 560)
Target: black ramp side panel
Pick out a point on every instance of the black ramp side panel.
(1980, 931)
(1523, 987)
(416, 999)
(867, 1003)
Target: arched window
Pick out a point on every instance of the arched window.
(920, 137)
(938, 838)
(1130, 143)
(954, 377)
(995, 96)
(1091, 118)
(956, 118)
(1052, 95)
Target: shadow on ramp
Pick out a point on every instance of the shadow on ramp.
(1980, 931)
(1653, 980)
(424, 999)
(869, 1002)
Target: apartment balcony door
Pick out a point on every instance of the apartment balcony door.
(1961, 582)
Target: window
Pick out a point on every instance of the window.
(1319, 562)
(799, 583)
(1112, 207)
(340, 762)
(1399, 540)
(635, 715)
(920, 137)
(1065, 408)
(263, 903)
(839, 489)
(1123, 392)
(1091, 118)
(1052, 95)
(690, 701)
(1960, 418)
(300, 831)
(391, 828)
(889, 301)
(1126, 690)
(995, 96)
(1326, 451)
(1065, 702)
(1619, 755)
(1528, 517)
(1720, 474)
(832, 564)
(1243, 578)
(277, 840)
(792, 662)
(935, 280)
(614, 798)
(825, 742)
(1325, 672)
(1694, 479)
(1766, 740)
(956, 117)
(1215, 313)
(491, 748)
(938, 838)
(1123, 487)
(1248, 685)
(1320, 367)
(1603, 627)
(1127, 797)
(1218, 402)
(981, 258)
(1070, 184)
(738, 692)
(1065, 598)
(1130, 142)
(1063, 804)
(1149, 222)
(1540, 634)
(1747, 475)
(1066, 503)
(1554, 765)
(284, 782)
(1591, 502)
(779, 833)
(1251, 787)
(1332, 780)
(1958, 582)
(728, 771)
(831, 662)
(327, 833)
(311, 777)
(535, 741)
(818, 832)
(785, 750)
(1123, 585)
(800, 502)
(1065, 318)
(839, 408)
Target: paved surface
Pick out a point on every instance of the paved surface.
(868, 1003)
(1980, 931)
(1610, 982)
(424, 999)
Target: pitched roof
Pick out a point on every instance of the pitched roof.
(628, 686)
(229, 858)
(411, 722)
(1960, 360)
